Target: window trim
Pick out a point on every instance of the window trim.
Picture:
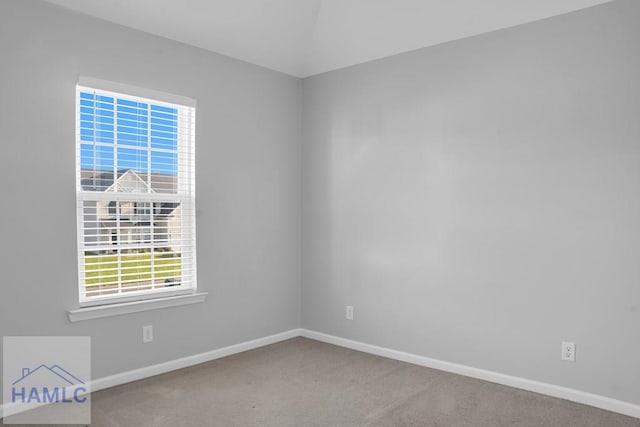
(136, 300)
(120, 308)
(125, 89)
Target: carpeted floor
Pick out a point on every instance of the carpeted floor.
(301, 382)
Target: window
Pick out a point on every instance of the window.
(135, 193)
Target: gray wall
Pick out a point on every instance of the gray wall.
(478, 201)
(248, 186)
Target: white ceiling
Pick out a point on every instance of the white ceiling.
(307, 37)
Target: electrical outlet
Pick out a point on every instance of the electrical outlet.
(147, 334)
(349, 312)
(568, 351)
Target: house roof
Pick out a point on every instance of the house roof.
(158, 183)
(131, 182)
(103, 180)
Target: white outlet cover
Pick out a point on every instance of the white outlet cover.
(349, 315)
(568, 351)
(147, 334)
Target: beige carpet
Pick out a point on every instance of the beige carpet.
(301, 382)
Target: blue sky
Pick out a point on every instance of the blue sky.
(134, 125)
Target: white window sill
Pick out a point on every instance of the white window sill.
(117, 309)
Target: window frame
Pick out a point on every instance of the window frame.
(184, 198)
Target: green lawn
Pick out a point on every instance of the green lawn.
(103, 269)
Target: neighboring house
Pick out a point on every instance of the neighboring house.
(131, 223)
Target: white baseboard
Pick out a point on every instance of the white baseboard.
(577, 396)
(184, 362)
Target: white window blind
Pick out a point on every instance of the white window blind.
(135, 194)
